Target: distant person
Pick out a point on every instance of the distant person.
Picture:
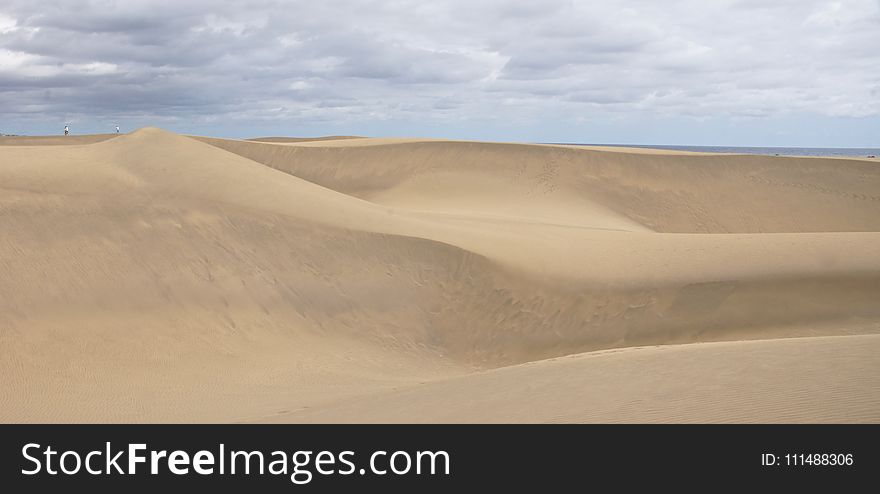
(66, 130)
(117, 129)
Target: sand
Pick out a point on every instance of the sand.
(153, 277)
(300, 139)
(60, 140)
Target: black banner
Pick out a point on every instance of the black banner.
(420, 458)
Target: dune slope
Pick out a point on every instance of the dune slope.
(663, 191)
(824, 379)
(157, 277)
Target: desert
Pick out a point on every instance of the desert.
(160, 277)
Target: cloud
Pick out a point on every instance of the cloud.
(451, 61)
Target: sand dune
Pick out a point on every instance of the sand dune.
(837, 382)
(300, 139)
(157, 277)
(54, 140)
(664, 191)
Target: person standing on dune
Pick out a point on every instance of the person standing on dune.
(66, 130)
(117, 129)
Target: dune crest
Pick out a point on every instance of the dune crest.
(319, 275)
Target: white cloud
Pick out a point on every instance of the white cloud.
(300, 85)
(7, 24)
(91, 68)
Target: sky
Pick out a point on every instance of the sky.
(687, 72)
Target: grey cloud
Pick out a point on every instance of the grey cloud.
(346, 60)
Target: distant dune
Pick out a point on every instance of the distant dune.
(54, 140)
(157, 277)
(300, 139)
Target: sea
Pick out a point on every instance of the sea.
(770, 151)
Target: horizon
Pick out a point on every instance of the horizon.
(736, 74)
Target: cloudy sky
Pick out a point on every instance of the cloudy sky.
(720, 72)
